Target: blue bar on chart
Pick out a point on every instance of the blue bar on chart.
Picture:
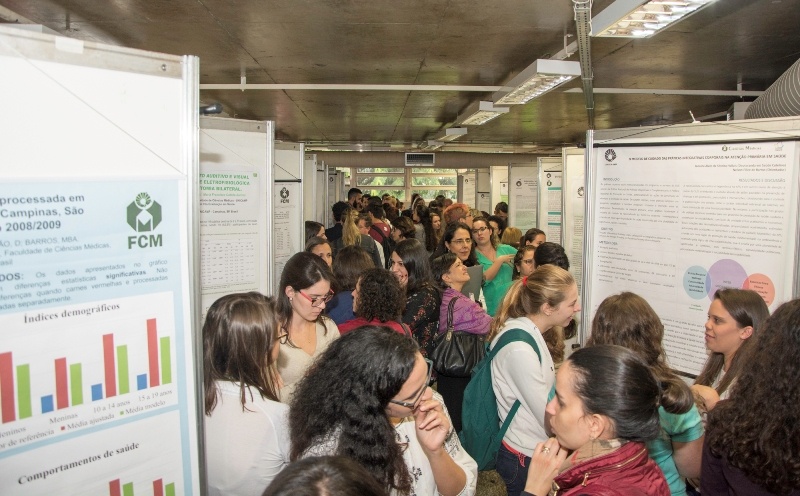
(97, 392)
(47, 403)
(141, 382)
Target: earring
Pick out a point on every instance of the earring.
(291, 299)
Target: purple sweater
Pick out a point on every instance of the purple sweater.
(468, 316)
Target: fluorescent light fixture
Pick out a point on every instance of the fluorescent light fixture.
(535, 80)
(433, 145)
(451, 133)
(641, 19)
(479, 113)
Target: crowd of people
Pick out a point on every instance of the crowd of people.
(334, 386)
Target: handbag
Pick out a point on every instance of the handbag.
(456, 353)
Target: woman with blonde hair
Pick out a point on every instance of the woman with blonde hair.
(627, 320)
(535, 304)
(351, 236)
(511, 236)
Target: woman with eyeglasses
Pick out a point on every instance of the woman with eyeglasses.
(457, 239)
(367, 398)
(523, 262)
(412, 269)
(496, 260)
(246, 428)
(305, 288)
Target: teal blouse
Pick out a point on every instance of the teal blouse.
(496, 289)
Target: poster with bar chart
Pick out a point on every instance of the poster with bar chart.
(103, 362)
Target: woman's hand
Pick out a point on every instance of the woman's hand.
(508, 259)
(432, 425)
(546, 461)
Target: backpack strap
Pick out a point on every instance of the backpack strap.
(508, 337)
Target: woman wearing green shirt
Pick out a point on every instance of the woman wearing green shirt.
(496, 259)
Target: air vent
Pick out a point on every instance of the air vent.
(420, 159)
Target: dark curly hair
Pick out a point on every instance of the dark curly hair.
(758, 428)
(380, 296)
(551, 253)
(627, 320)
(346, 392)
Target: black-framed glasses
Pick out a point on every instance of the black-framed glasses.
(317, 301)
(413, 405)
(479, 230)
(527, 262)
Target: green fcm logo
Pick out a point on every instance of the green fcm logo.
(144, 215)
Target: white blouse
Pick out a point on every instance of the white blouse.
(294, 362)
(422, 481)
(245, 448)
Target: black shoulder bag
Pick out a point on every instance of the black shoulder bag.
(456, 353)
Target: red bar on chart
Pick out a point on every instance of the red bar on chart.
(7, 388)
(108, 365)
(62, 396)
(152, 351)
(158, 487)
(114, 489)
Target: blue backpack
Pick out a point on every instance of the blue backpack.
(481, 432)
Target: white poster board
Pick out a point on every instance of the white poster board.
(97, 310)
(550, 198)
(573, 212)
(674, 222)
(287, 227)
(233, 207)
(333, 193)
(523, 195)
(466, 188)
(483, 190)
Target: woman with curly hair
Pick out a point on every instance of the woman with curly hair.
(350, 263)
(367, 398)
(734, 317)
(246, 428)
(627, 320)
(378, 300)
(412, 269)
(467, 316)
(305, 288)
(752, 439)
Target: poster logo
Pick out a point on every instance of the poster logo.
(144, 215)
(284, 193)
(610, 155)
(580, 192)
(519, 184)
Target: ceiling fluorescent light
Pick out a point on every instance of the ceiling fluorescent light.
(480, 113)
(641, 19)
(433, 145)
(535, 80)
(451, 133)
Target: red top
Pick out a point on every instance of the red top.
(361, 321)
(628, 471)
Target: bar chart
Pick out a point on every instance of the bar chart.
(88, 364)
(159, 488)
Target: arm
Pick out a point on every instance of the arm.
(687, 457)
(490, 269)
(544, 467)
(470, 317)
(522, 370)
(435, 435)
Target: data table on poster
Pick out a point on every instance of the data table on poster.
(228, 261)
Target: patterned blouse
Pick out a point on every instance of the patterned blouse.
(422, 316)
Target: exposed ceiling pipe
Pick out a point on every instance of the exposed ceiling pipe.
(583, 23)
(782, 99)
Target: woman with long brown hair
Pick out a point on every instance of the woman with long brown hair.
(246, 431)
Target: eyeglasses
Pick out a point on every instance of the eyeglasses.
(527, 262)
(479, 230)
(413, 405)
(317, 301)
(465, 241)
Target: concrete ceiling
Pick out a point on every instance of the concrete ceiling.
(460, 43)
